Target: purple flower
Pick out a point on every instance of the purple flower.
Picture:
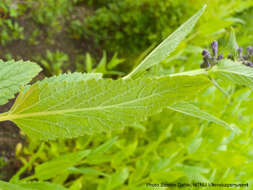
(248, 63)
(205, 53)
(215, 48)
(220, 57)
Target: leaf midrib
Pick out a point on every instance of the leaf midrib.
(18, 116)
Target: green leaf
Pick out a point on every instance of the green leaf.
(73, 77)
(226, 70)
(70, 109)
(194, 145)
(116, 180)
(13, 76)
(101, 68)
(87, 171)
(234, 72)
(96, 155)
(232, 43)
(68, 77)
(167, 46)
(88, 63)
(41, 186)
(194, 111)
(59, 165)
(9, 186)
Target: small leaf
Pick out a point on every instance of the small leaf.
(70, 109)
(96, 154)
(88, 63)
(167, 46)
(13, 76)
(194, 145)
(232, 43)
(59, 165)
(116, 180)
(194, 111)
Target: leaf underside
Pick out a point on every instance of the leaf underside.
(13, 76)
(68, 109)
(167, 46)
(194, 111)
(234, 72)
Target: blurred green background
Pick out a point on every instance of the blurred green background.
(111, 37)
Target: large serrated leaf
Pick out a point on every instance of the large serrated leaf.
(167, 46)
(14, 75)
(70, 109)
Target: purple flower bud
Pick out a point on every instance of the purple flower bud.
(248, 63)
(240, 50)
(205, 53)
(215, 48)
(220, 57)
(250, 50)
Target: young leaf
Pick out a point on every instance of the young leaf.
(194, 111)
(59, 165)
(167, 46)
(70, 109)
(14, 75)
(232, 43)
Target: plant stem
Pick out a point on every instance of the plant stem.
(33, 158)
(4, 116)
(218, 86)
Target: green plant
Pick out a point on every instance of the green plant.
(53, 62)
(103, 66)
(132, 26)
(10, 29)
(71, 105)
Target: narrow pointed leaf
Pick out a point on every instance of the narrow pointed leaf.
(59, 165)
(167, 46)
(13, 76)
(194, 111)
(232, 43)
(70, 109)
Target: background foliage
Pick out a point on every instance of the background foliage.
(74, 35)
